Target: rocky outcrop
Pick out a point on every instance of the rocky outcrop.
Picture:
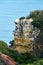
(6, 60)
(25, 34)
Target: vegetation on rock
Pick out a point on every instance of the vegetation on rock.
(37, 18)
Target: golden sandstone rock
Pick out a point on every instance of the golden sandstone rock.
(25, 34)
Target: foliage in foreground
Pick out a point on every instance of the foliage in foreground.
(20, 58)
(37, 62)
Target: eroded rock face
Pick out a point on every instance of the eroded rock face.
(24, 35)
(7, 60)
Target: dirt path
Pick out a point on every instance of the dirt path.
(7, 60)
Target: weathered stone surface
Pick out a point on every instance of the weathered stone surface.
(24, 35)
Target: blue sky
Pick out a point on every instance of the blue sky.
(12, 9)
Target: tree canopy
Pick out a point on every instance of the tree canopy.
(37, 18)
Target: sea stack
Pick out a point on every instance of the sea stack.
(24, 35)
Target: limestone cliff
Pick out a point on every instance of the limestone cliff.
(25, 35)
